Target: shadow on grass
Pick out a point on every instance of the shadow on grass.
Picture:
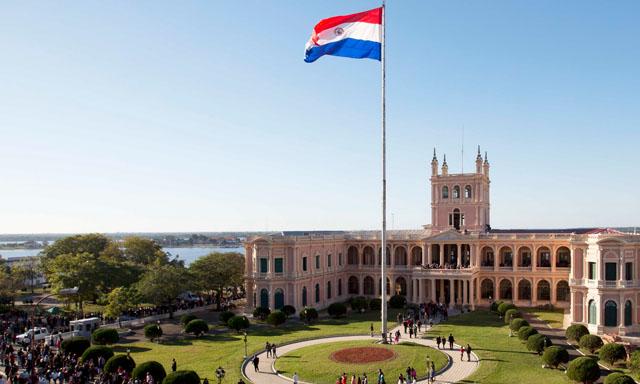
(504, 351)
(124, 349)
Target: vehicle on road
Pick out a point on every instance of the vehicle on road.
(34, 334)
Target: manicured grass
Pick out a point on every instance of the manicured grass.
(314, 365)
(205, 354)
(553, 317)
(504, 359)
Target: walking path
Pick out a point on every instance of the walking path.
(455, 371)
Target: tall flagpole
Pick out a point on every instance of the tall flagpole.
(383, 261)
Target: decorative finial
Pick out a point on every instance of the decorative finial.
(479, 151)
(485, 157)
(434, 154)
(444, 161)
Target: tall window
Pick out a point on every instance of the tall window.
(445, 192)
(278, 265)
(304, 263)
(317, 261)
(340, 259)
(592, 312)
(328, 289)
(304, 296)
(264, 265)
(592, 270)
(456, 192)
(628, 314)
(628, 271)
(339, 287)
(610, 314)
(329, 260)
(317, 293)
(610, 271)
(467, 192)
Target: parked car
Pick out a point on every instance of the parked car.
(35, 334)
(189, 297)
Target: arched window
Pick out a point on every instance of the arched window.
(486, 259)
(416, 255)
(353, 286)
(368, 288)
(352, 255)
(506, 290)
(610, 314)
(368, 256)
(592, 312)
(524, 290)
(562, 291)
(506, 257)
(524, 257)
(387, 255)
(456, 219)
(445, 192)
(467, 192)
(401, 287)
(400, 256)
(486, 289)
(544, 290)
(264, 298)
(544, 257)
(563, 257)
(279, 298)
(628, 314)
(456, 192)
(328, 289)
(388, 288)
(317, 293)
(304, 296)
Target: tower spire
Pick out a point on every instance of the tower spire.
(434, 164)
(479, 161)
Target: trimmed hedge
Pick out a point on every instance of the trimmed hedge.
(185, 319)
(591, 342)
(575, 332)
(536, 343)
(518, 323)
(156, 369)
(95, 351)
(583, 369)
(261, 313)
(612, 352)
(124, 361)
(105, 336)
(504, 307)
(75, 345)
(397, 301)
(375, 304)
(511, 314)
(197, 327)
(494, 306)
(618, 378)
(358, 303)
(224, 317)
(308, 315)
(525, 332)
(554, 356)
(289, 310)
(238, 323)
(152, 331)
(182, 377)
(634, 362)
(337, 310)
(276, 318)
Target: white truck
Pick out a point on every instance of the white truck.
(34, 334)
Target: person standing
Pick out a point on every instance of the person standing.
(410, 333)
(267, 347)
(365, 379)
(353, 379)
(371, 328)
(461, 353)
(468, 352)
(256, 361)
(295, 377)
(381, 375)
(174, 365)
(438, 341)
(273, 351)
(433, 372)
(451, 340)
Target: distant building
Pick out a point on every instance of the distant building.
(459, 260)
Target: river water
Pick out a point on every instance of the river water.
(188, 254)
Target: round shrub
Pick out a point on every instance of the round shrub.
(504, 307)
(289, 310)
(618, 378)
(261, 313)
(536, 343)
(308, 315)
(397, 301)
(238, 323)
(185, 319)
(153, 367)
(525, 332)
(511, 314)
(182, 377)
(554, 356)
(117, 361)
(105, 336)
(494, 306)
(358, 303)
(197, 327)
(75, 345)
(634, 362)
(612, 352)
(223, 317)
(518, 323)
(152, 331)
(375, 304)
(337, 310)
(583, 369)
(576, 331)
(276, 318)
(590, 343)
(95, 351)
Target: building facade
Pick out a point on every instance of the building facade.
(458, 260)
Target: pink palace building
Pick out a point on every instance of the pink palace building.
(459, 260)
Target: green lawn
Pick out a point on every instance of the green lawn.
(314, 365)
(205, 354)
(503, 359)
(553, 317)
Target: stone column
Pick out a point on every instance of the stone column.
(427, 255)
(459, 261)
(441, 290)
(553, 259)
(441, 249)
(463, 295)
(472, 300)
(432, 294)
(451, 293)
(424, 255)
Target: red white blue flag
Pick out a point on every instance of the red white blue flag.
(358, 36)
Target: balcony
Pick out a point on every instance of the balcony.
(522, 268)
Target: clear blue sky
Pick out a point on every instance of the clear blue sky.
(202, 116)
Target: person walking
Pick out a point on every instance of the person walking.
(273, 351)
(433, 372)
(371, 328)
(174, 365)
(451, 340)
(410, 333)
(381, 375)
(267, 347)
(353, 379)
(408, 372)
(468, 352)
(295, 377)
(365, 379)
(438, 341)
(461, 353)
(256, 361)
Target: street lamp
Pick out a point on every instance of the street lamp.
(244, 333)
(220, 374)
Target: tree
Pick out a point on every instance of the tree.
(525, 332)
(554, 356)
(337, 310)
(95, 351)
(152, 331)
(583, 369)
(26, 273)
(75, 345)
(276, 318)
(144, 251)
(238, 323)
(121, 299)
(536, 343)
(590, 342)
(612, 352)
(197, 327)
(218, 271)
(397, 301)
(92, 243)
(261, 312)
(618, 378)
(162, 285)
(116, 362)
(575, 332)
(182, 377)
